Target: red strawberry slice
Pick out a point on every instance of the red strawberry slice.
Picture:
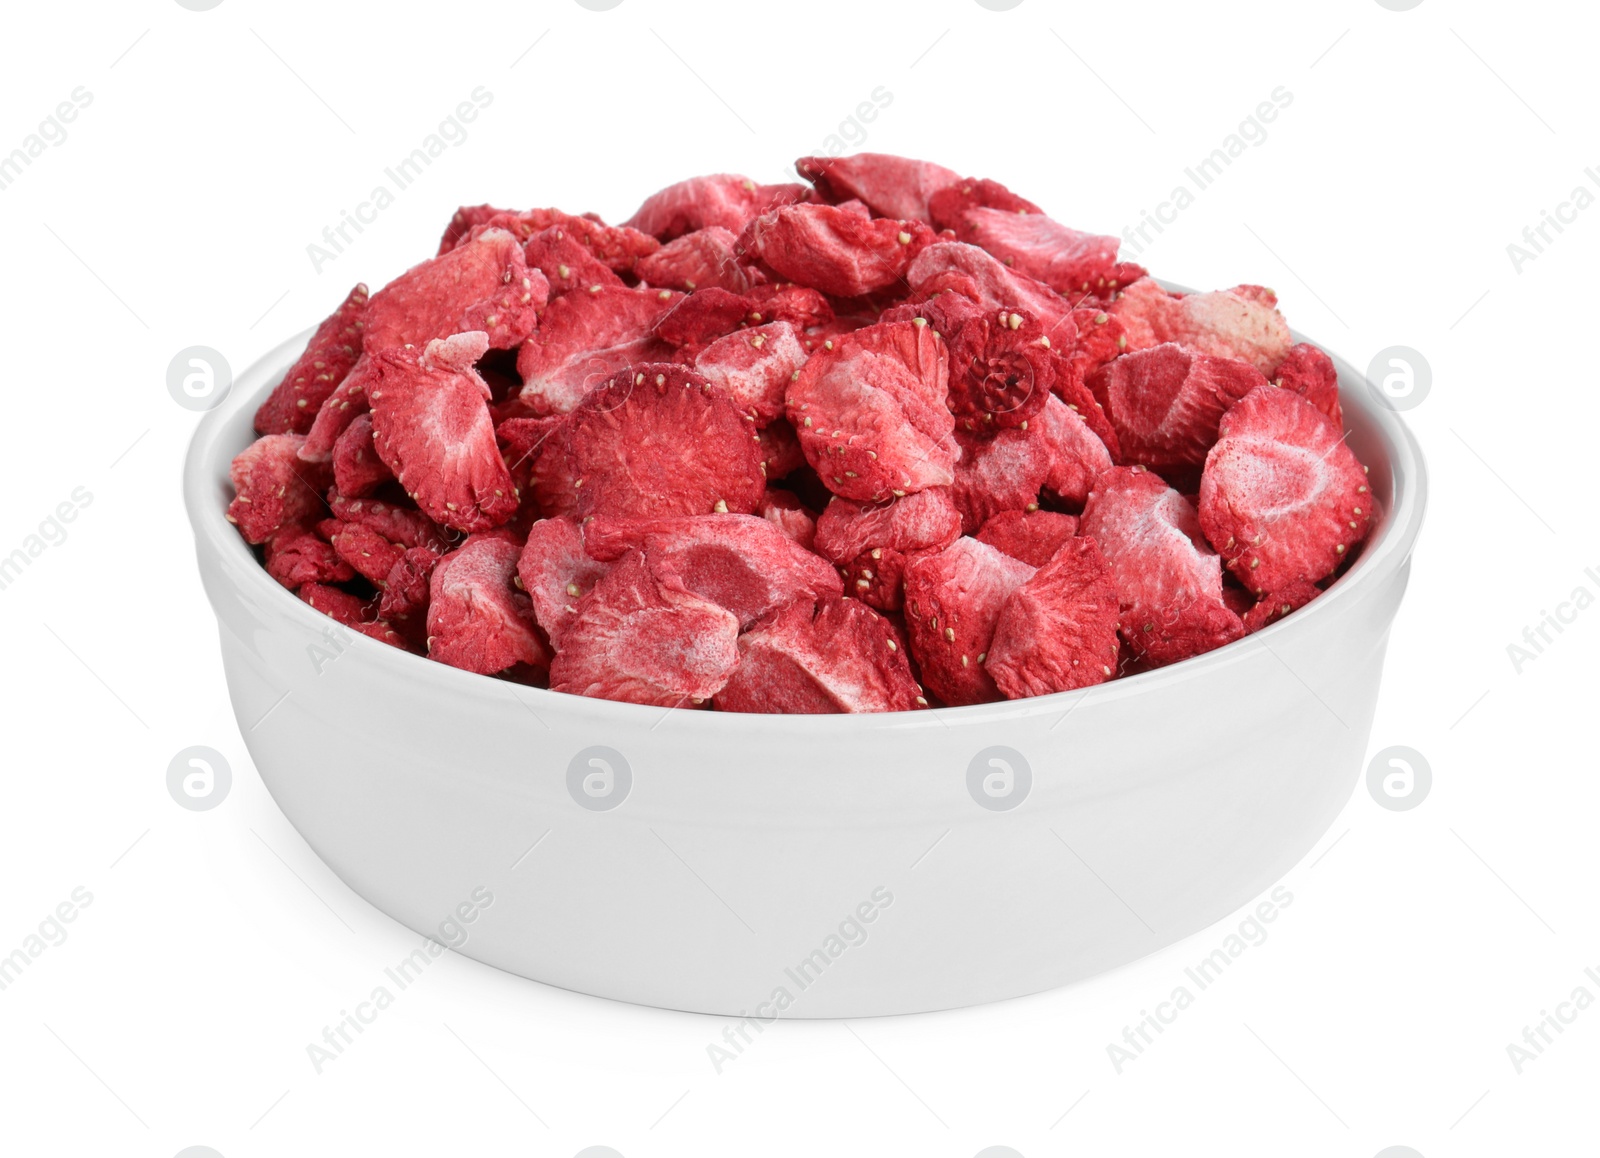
(483, 284)
(402, 525)
(540, 448)
(357, 469)
(953, 600)
(296, 555)
(406, 589)
(1101, 337)
(1223, 323)
(1077, 455)
(832, 249)
(369, 553)
(618, 246)
(1032, 536)
(800, 306)
(841, 657)
(1276, 605)
(1001, 371)
(351, 612)
(637, 639)
(658, 439)
(1003, 473)
(431, 425)
(1164, 402)
(953, 266)
(1058, 631)
(1282, 497)
(566, 263)
(476, 620)
(556, 570)
(754, 367)
(870, 412)
(583, 339)
(695, 321)
(333, 349)
(1310, 373)
(1168, 579)
(785, 511)
(873, 543)
(779, 449)
(274, 487)
(348, 402)
(726, 200)
(889, 186)
(1020, 234)
(706, 257)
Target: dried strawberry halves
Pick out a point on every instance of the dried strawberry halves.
(637, 639)
(482, 284)
(841, 657)
(1169, 580)
(1222, 323)
(430, 420)
(1282, 497)
(556, 571)
(953, 600)
(274, 487)
(296, 556)
(333, 349)
(1058, 631)
(874, 543)
(705, 258)
(1032, 536)
(1310, 373)
(834, 250)
(583, 339)
(871, 412)
(1164, 402)
(889, 186)
(658, 439)
(1019, 233)
(357, 469)
(1276, 604)
(726, 200)
(754, 367)
(1001, 371)
(477, 620)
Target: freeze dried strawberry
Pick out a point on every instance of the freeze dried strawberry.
(841, 657)
(333, 349)
(1002, 473)
(873, 543)
(637, 639)
(741, 562)
(476, 620)
(1282, 497)
(274, 487)
(1311, 374)
(724, 200)
(870, 412)
(403, 526)
(779, 449)
(1276, 605)
(430, 420)
(483, 284)
(1023, 236)
(1222, 323)
(357, 469)
(834, 250)
(348, 401)
(952, 266)
(945, 312)
(1101, 338)
(295, 555)
(364, 549)
(1058, 631)
(694, 322)
(706, 257)
(535, 449)
(350, 612)
(754, 367)
(556, 571)
(800, 306)
(953, 600)
(1164, 402)
(1032, 536)
(583, 339)
(889, 186)
(1168, 579)
(786, 512)
(565, 262)
(1001, 371)
(657, 439)
(1077, 455)
(618, 246)
(406, 588)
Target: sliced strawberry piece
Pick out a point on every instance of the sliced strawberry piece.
(618, 246)
(1058, 631)
(1276, 605)
(401, 525)
(952, 266)
(296, 555)
(637, 639)
(706, 257)
(1101, 337)
(556, 571)
(833, 249)
(779, 449)
(1310, 373)
(949, 206)
(407, 586)
(699, 319)
(889, 186)
(351, 612)
(945, 312)
(333, 349)
(274, 487)
(1164, 402)
(754, 367)
(566, 263)
(874, 543)
(1282, 497)
(364, 549)
(357, 469)
(1032, 536)
(1020, 234)
(1003, 473)
(724, 200)
(870, 412)
(1223, 323)
(657, 439)
(1168, 579)
(538, 448)
(800, 306)
(348, 402)
(785, 511)
(841, 657)
(477, 620)
(953, 600)
(583, 339)
(431, 424)
(482, 284)
(1077, 455)
(1001, 371)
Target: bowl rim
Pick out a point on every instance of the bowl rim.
(1382, 555)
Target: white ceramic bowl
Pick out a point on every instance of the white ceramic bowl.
(808, 866)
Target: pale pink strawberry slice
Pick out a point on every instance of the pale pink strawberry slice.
(357, 469)
(296, 555)
(584, 338)
(706, 257)
(841, 657)
(477, 620)
(1168, 579)
(637, 639)
(333, 349)
(1223, 323)
(870, 412)
(889, 186)
(1002, 473)
(431, 425)
(482, 284)
(274, 487)
(1032, 536)
(1164, 402)
(1275, 605)
(1282, 498)
(1058, 631)
(953, 600)
(833, 249)
(754, 367)
(1310, 373)
(566, 263)
(1077, 455)
(726, 200)
(556, 571)
(954, 266)
(1020, 234)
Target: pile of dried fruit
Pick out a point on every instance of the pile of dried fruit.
(880, 441)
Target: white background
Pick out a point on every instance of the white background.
(177, 212)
